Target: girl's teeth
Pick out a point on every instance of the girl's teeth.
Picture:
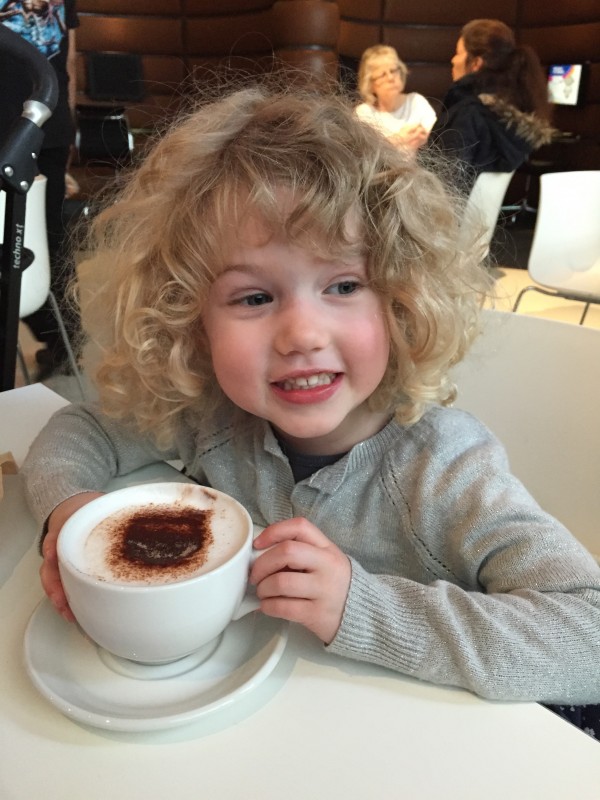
(309, 382)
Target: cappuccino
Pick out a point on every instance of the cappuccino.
(155, 572)
(159, 543)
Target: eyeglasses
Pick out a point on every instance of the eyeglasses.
(391, 72)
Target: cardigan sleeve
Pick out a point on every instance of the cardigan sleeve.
(80, 450)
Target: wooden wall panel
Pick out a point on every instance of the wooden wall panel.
(422, 44)
(361, 9)
(155, 35)
(566, 43)
(210, 8)
(163, 74)
(456, 13)
(592, 84)
(322, 63)
(432, 79)
(559, 12)
(355, 37)
(130, 7)
(237, 35)
(306, 22)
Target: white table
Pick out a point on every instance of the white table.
(319, 727)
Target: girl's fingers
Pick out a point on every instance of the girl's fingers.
(52, 585)
(289, 584)
(286, 556)
(298, 529)
(49, 573)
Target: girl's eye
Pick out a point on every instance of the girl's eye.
(256, 299)
(344, 287)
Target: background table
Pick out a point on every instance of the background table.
(319, 727)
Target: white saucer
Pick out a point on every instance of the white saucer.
(66, 668)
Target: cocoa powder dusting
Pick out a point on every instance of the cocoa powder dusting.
(169, 541)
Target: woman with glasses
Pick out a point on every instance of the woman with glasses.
(405, 118)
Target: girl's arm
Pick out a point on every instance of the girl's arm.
(80, 450)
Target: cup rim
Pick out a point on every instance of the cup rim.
(64, 562)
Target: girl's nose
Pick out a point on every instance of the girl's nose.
(300, 329)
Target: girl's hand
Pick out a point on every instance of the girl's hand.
(303, 577)
(49, 569)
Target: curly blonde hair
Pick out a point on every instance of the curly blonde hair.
(158, 248)
(365, 70)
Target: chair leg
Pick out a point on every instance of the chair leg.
(523, 291)
(584, 315)
(23, 365)
(67, 343)
(518, 300)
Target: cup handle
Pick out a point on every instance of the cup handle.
(250, 601)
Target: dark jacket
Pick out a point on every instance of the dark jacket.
(485, 131)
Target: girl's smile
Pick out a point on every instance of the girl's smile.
(311, 388)
(299, 340)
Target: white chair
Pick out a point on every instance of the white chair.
(535, 382)
(485, 201)
(35, 280)
(564, 260)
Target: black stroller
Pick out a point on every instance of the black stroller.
(18, 155)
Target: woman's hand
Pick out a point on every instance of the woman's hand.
(49, 569)
(411, 137)
(303, 577)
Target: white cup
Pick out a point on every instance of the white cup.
(177, 613)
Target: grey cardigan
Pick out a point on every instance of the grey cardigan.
(458, 577)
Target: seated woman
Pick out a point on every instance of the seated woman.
(496, 112)
(406, 119)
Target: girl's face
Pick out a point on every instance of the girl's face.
(386, 81)
(298, 340)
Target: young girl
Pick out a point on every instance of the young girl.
(282, 299)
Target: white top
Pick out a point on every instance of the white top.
(414, 110)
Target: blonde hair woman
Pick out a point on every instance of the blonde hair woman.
(405, 118)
